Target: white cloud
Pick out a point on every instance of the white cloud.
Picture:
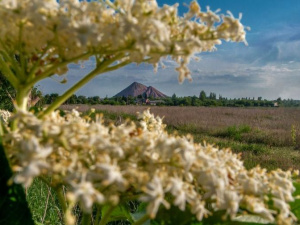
(268, 67)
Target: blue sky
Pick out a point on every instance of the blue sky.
(268, 67)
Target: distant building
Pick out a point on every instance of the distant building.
(154, 102)
(140, 101)
(275, 104)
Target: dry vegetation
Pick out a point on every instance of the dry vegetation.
(262, 135)
(273, 124)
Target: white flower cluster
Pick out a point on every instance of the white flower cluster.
(48, 33)
(106, 164)
(4, 115)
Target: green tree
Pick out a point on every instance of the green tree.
(212, 96)
(195, 101)
(202, 95)
(7, 94)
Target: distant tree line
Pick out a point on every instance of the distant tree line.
(203, 99)
(211, 99)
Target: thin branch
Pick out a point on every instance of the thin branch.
(37, 63)
(11, 57)
(86, 219)
(23, 61)
(46, 207)
(102, 68)
(53, 68)
(98, 215)
(61, 199)
(111, 68)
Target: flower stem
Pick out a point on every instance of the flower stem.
(22, 95)
(61, 199)
(97, 219)
(50, 71)
(103, 67)
(86, 219)
(6, 71)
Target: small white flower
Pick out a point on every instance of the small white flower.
(32, 158)
(155, 196)
(198, 208)
(177, 188)
(27, 173)
(257, 206)
(87, 195)
(112, 174)
(229, 201)
(282, 206)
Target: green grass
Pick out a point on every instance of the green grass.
(234, 132)
(254, 146)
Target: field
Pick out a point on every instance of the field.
(266, 136)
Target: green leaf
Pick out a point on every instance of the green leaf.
(250, 220)
(37, 223)
(174, 216)
(140, 212)
(121, 212)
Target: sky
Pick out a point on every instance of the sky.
(268, 67)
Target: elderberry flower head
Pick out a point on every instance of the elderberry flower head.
(102, 164)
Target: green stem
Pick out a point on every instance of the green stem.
(11, 57)
(97, 218)
(103, 67)
(1, 127)
(22, 95)
(142, 220)
(60, 100)
(61, 199)
(23, 61)
(105, 218)
(6, 71)
(86, 219)
(111, 68)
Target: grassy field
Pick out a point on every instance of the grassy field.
(262, 135)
